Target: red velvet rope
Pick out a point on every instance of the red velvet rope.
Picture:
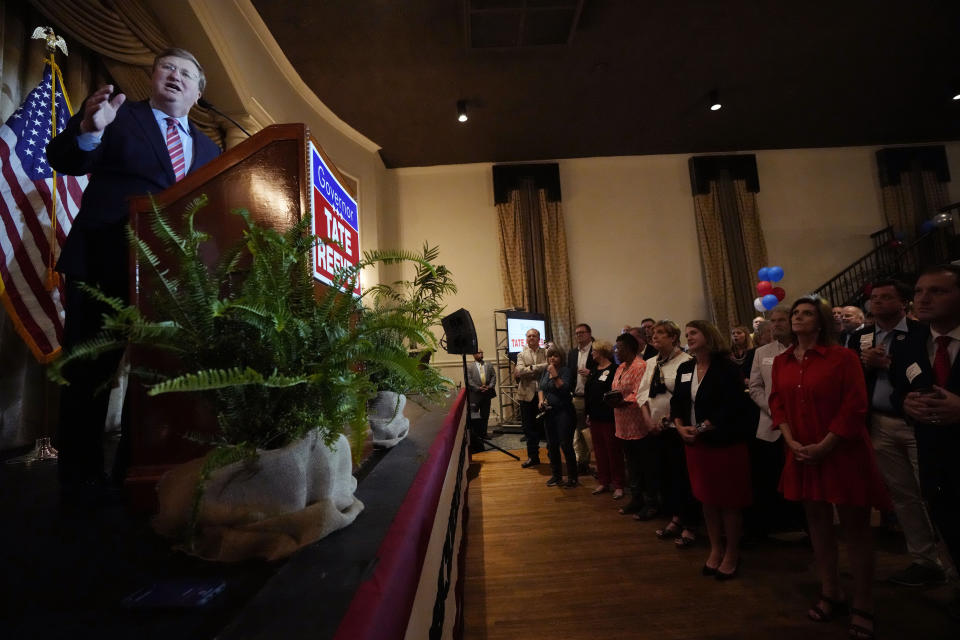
(381, 606)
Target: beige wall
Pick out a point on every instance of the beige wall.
(451, 206)
(630, 228)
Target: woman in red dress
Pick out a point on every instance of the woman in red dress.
(819, 402)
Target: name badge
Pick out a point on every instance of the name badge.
(767, 361)
(686, 377)
(866, 341)
(603, 376)
(912, 372)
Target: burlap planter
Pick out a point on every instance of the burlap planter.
(387, 421)
(286, 499)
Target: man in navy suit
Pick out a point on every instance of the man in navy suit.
(128, 149)
(893, 438)
(926, 376)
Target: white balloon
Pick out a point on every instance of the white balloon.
(758, 305)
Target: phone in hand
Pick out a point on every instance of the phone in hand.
(931, 392)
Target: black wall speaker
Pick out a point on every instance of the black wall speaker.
(461, 334)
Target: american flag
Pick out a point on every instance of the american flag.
(32, 299)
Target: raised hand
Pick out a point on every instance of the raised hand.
(99, 110)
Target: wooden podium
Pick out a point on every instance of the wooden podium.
(267, 175)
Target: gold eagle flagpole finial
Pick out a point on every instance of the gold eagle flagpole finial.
(53, 40)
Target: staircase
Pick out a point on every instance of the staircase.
(892, 258)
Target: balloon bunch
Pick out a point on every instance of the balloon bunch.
(770, 295)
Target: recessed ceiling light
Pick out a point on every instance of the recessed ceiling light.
(715, 101)
(462, 110)
(957, 97)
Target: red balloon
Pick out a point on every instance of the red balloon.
(764, 287)
(780, 293)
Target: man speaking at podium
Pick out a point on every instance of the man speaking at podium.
(128, 149)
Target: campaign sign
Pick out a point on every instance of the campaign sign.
(335, 222)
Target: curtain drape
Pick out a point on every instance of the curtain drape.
(127, 36)
(913, 183)
(916, 199)
(732, 249)
(556, 266)
(534, 266)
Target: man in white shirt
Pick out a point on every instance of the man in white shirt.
(926, 377)
(530, 365)
(581, 358)
(851, 322)
(769, 510)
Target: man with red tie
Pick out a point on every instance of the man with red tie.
(926, 375)
(128, 149)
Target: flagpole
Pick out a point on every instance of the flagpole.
(53, 278)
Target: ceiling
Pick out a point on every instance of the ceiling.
(629, 77)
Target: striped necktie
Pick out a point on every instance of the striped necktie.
(175, 148)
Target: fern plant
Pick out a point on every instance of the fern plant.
(250, 335)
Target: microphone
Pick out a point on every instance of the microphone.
(203, 104)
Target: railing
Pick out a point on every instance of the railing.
(890, 258)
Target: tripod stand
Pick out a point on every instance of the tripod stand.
(484, 440)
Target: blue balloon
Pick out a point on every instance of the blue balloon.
(900, 235)
(927, 226)
(775, 273)
(763, 273)
(769, 301)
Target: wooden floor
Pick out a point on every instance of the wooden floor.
(563, 564)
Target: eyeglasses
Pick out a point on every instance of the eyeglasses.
(186, 74)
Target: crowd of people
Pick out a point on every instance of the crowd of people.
(816, 412)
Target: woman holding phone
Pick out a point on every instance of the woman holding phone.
(556, 401)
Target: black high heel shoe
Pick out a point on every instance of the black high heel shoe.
(721, 576)
(708, 571)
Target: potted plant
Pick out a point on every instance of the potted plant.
(282, 368)
(421, 301)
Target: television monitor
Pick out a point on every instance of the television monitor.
(518, 323)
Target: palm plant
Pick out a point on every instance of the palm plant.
(421, 299)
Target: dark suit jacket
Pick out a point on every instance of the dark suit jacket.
(131, 160)
(896, 345)
(914, 351)
(721, 399)
(473, 381)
